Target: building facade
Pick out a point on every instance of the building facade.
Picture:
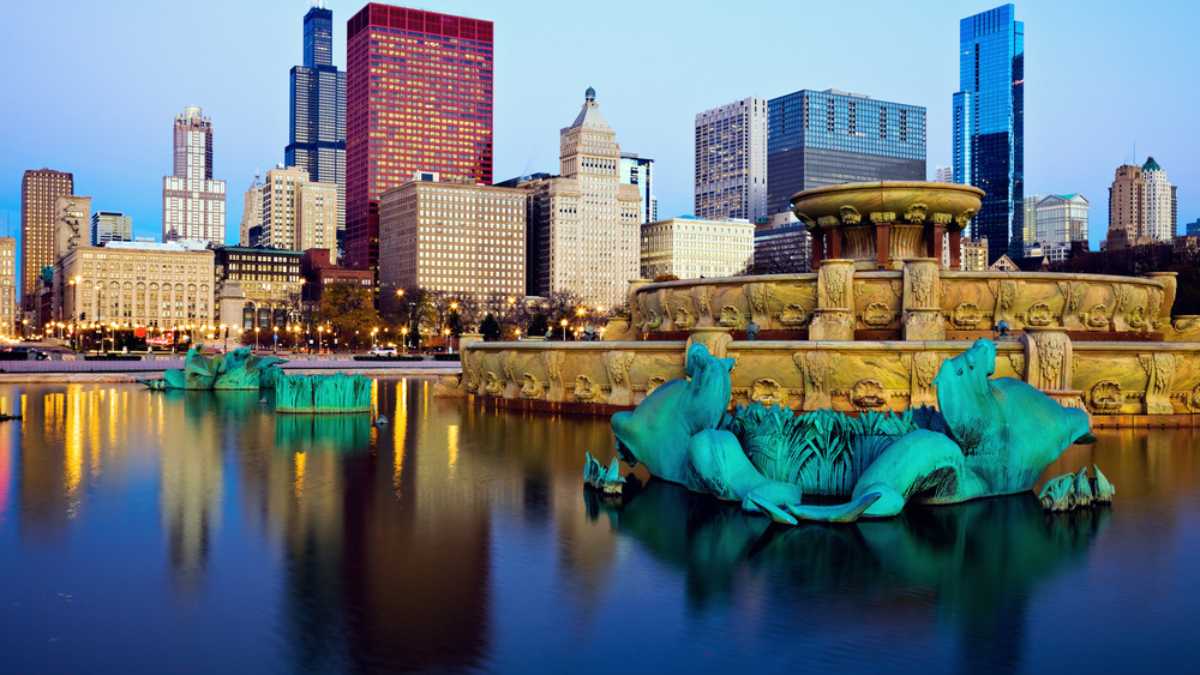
(297, 213)
(264, 283)
(252, 216)
(72, 223)
(639, 172)
(818, 138)
(1141, 206)
(320, 273)
(989, 124)
(1061, 220)
(418, 99)
(8, 286)
(974, 255)
(456, 238)
(731, 161)
(690, 248)
(40, 190)
(317, 110)
(193, 203)
(136, 285)
(1159, 198)
(783, 248)
(1192, 229)
(944, 174)
(111, 226)
(583, 234)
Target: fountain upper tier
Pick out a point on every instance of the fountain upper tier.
(880, 224)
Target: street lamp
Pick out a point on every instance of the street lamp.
(564, 323)
(404, 335)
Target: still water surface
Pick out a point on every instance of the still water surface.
(150, 532)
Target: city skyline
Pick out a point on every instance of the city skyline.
(1070, 146)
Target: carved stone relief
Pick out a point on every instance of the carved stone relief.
(617, 365)
(1160, 373)
(867, 394)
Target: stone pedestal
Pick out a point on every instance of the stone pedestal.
(1169, 282)
(1048, 361)
(834, 316)
(922, 300)
(715, 338)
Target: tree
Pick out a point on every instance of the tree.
(350, 311)
(490, 328)
(537, 325)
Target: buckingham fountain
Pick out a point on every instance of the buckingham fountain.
(870, 329)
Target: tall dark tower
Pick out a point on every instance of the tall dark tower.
(989, 124)
(317, 130)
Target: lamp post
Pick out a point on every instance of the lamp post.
(404, 338)
(564, 323)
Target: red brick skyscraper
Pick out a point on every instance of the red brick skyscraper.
(418, 99)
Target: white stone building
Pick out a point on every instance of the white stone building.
(584, 226)
(193, 203)
(731, 161)
(689, 248)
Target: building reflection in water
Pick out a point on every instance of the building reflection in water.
(402, 546)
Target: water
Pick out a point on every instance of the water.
(149, 532)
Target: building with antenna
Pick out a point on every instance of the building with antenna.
(317, 109)
(1142, 206)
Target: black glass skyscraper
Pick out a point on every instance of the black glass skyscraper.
(989, 124)
(317, 139)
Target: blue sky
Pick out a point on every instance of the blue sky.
(92, 87)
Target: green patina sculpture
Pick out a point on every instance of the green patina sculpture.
(596, 476)
(989, 437)
(336, 393)
(1071, 491)
(238, 369)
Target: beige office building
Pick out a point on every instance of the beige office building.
(252, 214)
(457, 238)
(689, 248)
(298, 214)
(584, 226)
(40, 190)
(72, 224)
(1141, 206)
(136, 284)
(8, 286)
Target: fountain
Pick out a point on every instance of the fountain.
(869, 330)
(336, 393)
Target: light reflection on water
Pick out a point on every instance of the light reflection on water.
(199, 532)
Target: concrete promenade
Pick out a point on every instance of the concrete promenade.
(79, 370)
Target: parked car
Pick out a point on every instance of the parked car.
(382, 351)
(23, 353)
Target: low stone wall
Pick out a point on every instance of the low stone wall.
(1125, 382)
(1139, 307)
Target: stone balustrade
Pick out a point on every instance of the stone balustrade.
(919, 301)
(1117, 382)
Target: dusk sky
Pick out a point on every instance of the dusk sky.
(93, 87)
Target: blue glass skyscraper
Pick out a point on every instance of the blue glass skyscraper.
(317, 130)
(989, 124)
(817, 138)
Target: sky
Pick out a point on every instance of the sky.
(93, 87)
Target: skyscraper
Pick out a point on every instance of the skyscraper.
(818, 138)
(1141, 205)
(317, 121)
(988, 124)
(418, 99)
(252, 214)
(298, 214)
(1059, 220)
(111, 226)
(8, 286)
(639, 172)
(193, 203)
(583, 233)
(731, 161)
(40, 190)
(944, 174)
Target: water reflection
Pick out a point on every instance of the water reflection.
(457, 538)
